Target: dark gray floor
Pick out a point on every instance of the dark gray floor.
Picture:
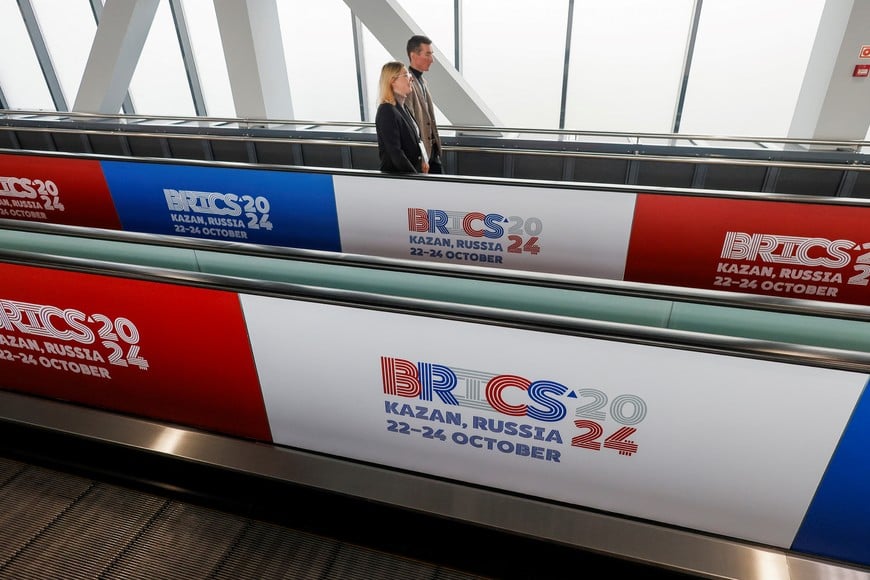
(59, 525)
(75, 508)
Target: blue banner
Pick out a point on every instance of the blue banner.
(837, 523)
(278, 208)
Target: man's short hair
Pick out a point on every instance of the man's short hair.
(415, 41)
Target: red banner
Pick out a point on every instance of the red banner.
(162, 351)
(794, 250)
(56, 190)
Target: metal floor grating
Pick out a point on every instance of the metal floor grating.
(57, 525)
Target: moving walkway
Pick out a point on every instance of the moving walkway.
(763, 243)
(678, 353)
(815, 168)
(835, 326)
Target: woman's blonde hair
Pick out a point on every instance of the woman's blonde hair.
(389, 72)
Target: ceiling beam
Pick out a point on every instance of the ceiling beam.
(393, 26)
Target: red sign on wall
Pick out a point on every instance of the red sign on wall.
(865, 51)
(56, 190)
(795, 250)
(161, 351)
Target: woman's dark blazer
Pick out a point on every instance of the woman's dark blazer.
(398, 145)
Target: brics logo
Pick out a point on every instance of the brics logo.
(425, 381)
(521, 233)
(439, 221)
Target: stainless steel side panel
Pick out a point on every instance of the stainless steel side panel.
(634, 540)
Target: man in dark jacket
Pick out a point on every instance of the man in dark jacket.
(419, 102)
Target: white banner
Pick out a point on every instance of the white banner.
(525, 228)
(727, 445)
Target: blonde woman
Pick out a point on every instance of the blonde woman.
(399, 144)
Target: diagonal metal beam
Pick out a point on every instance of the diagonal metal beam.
(393, 26)
(458, 43)
(359, 55)
(687, 64)
(565, 67)
(118, 43)
(251, 38)
(42, 55)
(97, 11)
(188, 57)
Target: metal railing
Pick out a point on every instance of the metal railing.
(630, 138)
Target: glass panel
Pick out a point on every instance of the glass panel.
(318, 50)
(68, 28)
(748, 66)
(626, 64)
(20, 74)
(375, 56)
(159, 85)
(205, 41)
(434, 18)
(519, 80)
